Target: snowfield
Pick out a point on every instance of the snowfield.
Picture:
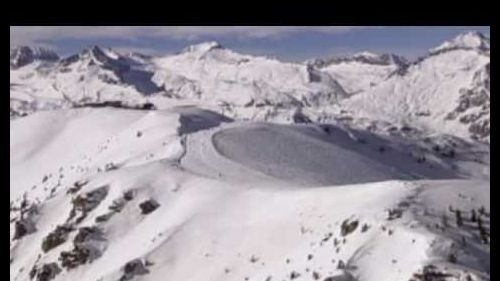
(213, 165)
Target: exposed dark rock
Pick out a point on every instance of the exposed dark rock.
(117, 205)
(111, 167)
(24, 55)
(365, 227)
(115, 104)
(133, 268)
(104, 218)
(458, 216)
(394, 214)
(129, 195)
(22, 228)
(74, 258)
(253, 259)
(86, 234)
(148, 206)
(76, 187)
(83, 204)
(46, 272)
(430, 273)
(294, 275)
(56, 237)
(348, 227)
(85, 248)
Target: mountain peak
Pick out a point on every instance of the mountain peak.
(101, 54)
(203, 47)
(366, 54)
(466, 40)
(363, 57)
(24, 55)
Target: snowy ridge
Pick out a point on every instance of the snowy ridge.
(429, 93)
(360, 72)
(24, 55)
(468, 40)
(215, 74)
(260, 88)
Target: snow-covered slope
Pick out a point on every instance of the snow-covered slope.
(131, 167)
(94, 75)
(243, 83)
(467, 40)
(24, 55)
(233, 202)
(446, 92)
(361, 71)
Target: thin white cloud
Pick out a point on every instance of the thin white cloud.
(132, 49)
(33, 34)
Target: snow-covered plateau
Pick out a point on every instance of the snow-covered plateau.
(211, 165)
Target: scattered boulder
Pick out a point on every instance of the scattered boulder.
(148, 206)
(56, 237)
(83, 204)
(458, 216)
(348, 227)
(430, 272)
(344, 277)
(87, 246)
(76, 187)
(104, 218)
(394, 214)
(452, 258)
(74, 258)
(254, 259)
(22, 228)
(365, 227)
(327, 237)
(110, 167)
(87, 233)
(117, 205)
(294, 275)
(133, 268)
(46, 272)
(129, 195)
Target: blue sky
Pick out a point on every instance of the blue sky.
(287, 43)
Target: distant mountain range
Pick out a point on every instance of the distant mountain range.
(444, 91)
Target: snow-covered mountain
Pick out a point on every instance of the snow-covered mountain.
(445, 92)
(361, 71)
(209, 164)
(260, 88)
(24, 55)
(245, 86)
(94, 75)
(468, 40)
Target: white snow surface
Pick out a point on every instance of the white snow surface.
(236, 199)
(251, 168)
